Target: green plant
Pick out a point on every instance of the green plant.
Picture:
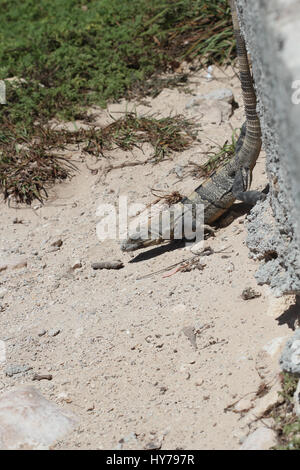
(68, 54)
(287, 424)
(215, 159)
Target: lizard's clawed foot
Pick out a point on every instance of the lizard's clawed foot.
(250, 197)
(241, 186)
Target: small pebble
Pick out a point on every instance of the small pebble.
(42, 332)
(53, 332)
(249, 293)
(108, 265)
(58, 242)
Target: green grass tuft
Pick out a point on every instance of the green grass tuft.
(217, 158)
(74, 53)
(166, 135)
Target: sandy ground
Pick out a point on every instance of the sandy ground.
(141, 363)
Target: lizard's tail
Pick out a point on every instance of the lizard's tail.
(251, 146)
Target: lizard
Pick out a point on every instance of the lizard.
(228, 183)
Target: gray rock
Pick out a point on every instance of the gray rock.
(178, 169)
(275, 68)
(273, 347)
(221, 94)
(290, 357)
(108, 265)
(297, 400)
(16, 369)
(249, 293)
(215, 107)
(29, 421)
(261, 439)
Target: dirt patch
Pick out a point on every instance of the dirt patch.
(141, 361)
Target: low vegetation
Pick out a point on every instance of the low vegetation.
(287, 424)
(64, 55)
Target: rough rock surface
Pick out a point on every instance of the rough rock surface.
(297, 400)
(261, 439)
(272, 32)
(29, 421)
(290, 357)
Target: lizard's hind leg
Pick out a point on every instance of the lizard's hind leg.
(240, 187)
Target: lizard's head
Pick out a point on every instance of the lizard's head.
(133, 242)
(153, 230)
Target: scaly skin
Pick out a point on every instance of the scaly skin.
(228, 183)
